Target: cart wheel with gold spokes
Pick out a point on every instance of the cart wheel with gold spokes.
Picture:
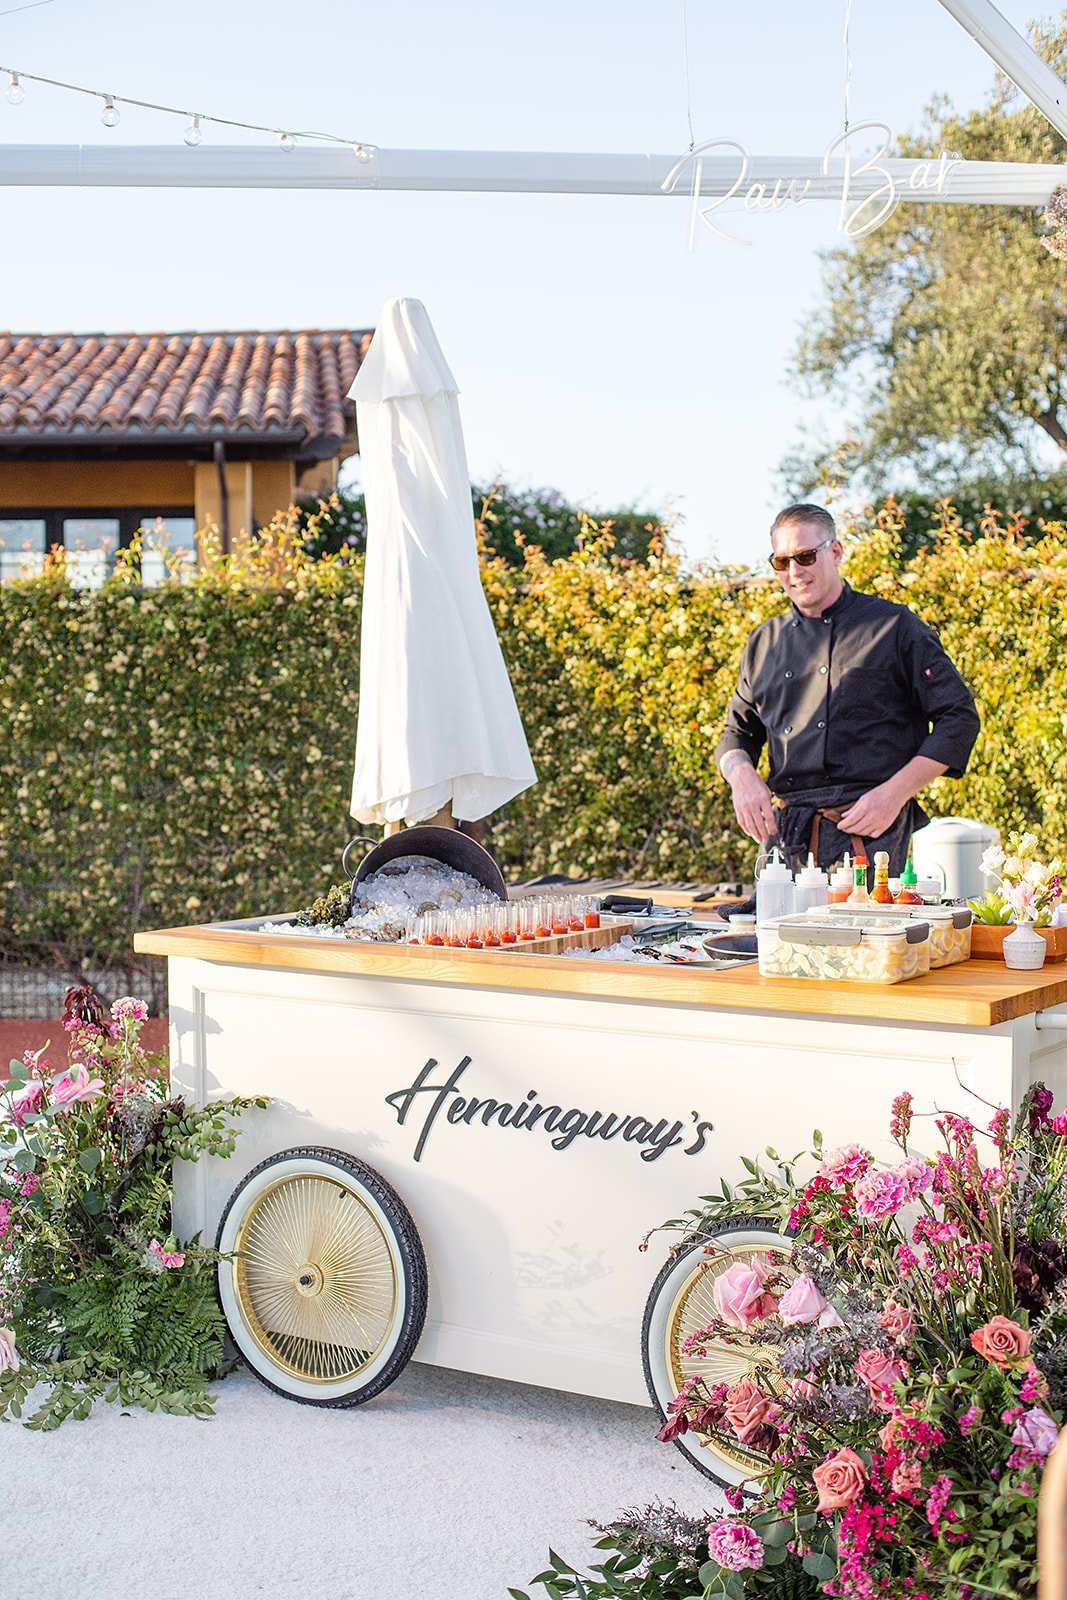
(324, 1288)
(680, 1304)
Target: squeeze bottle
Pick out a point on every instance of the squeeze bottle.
(811, 886)
(909, 895)
(841, 883)
(774, 890)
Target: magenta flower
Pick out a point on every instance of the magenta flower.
(879, 1372)
(1036, 1431)
(734, 1546)
(74, 1087)
(916, 1174)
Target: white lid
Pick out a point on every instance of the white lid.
(958, 828)
(811, 876)
(776, 870)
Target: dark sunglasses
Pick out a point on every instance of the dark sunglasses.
(803, 558)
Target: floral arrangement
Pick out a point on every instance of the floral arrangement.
(97, 1297)
(906, 1383)
(1027, 890)
(1056, 217)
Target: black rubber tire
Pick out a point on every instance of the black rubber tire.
(684, 1262)
(408, 1253)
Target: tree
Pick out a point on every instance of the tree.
(507, 520)
(946, 329)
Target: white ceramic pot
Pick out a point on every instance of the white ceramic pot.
(1024, 949)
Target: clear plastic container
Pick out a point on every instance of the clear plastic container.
(861, 948)
(950, 928)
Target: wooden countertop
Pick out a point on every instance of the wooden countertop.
(970, 994)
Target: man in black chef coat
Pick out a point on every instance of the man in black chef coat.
(856, 701)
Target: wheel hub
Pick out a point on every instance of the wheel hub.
(309, 1280)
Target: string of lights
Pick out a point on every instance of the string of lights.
(110, 116)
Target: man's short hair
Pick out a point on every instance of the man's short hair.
(805, 513)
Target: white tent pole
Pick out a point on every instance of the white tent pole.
(1015, 56)
(505, 172)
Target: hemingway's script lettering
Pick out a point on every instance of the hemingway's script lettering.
(443, 1095)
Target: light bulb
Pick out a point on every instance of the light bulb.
(287, 141)
(14, 94)
(110, 116)
(192, 134)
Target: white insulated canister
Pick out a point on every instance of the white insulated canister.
(950, 849)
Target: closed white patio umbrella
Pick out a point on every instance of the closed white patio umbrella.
(438, 723)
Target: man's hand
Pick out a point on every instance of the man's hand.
(753, 806)
(875, 811)
(879, 808)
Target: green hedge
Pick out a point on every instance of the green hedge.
(184, 753)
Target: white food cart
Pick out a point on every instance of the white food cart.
(536, 1116)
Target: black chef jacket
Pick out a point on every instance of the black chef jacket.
(848, 697)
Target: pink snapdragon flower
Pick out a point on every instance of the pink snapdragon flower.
(740, 1294)
(9, 1356)
(75, 1087)
(734, 1546)
(845, 1164)
(1037, 1432)
(129, 1007)
(166, 1258)
(803, 1301)
(26, 1102)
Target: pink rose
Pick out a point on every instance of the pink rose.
(26, 1102)
(75, 1086)
(800, 1388)
(9, 1356)
(830, 1319)
(891, 1431)
(897, 1321)
(843, 1165)
(1002, 1341)
(1036, 1431)
(879, 1372)
(802, 1301)
(735, 1546)
(747, 1409)
(880, 1194)
(166, 1258)
(740, 1294)
(839, 1480)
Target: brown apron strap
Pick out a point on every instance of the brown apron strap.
(832, 814)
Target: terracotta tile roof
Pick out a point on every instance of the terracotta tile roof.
(197, 384)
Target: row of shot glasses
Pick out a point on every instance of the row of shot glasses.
(506, 923)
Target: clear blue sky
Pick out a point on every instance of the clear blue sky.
(594, 353)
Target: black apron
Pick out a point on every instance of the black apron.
(808, 822)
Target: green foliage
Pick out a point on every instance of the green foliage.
(944, 330)
(507, 520)
(100, 1299)
(331, 909)
(184, 753)
(658, 1553)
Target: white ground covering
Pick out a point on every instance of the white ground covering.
(447, 1487)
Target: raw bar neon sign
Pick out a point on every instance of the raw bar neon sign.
(870, 192)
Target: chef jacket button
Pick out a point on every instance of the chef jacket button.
(789, 674)
(824, 669)
(820, 724)
(788, 728)
(794, 623)
(828, 620)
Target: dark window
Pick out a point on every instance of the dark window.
(22, 546)
(92, 537)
